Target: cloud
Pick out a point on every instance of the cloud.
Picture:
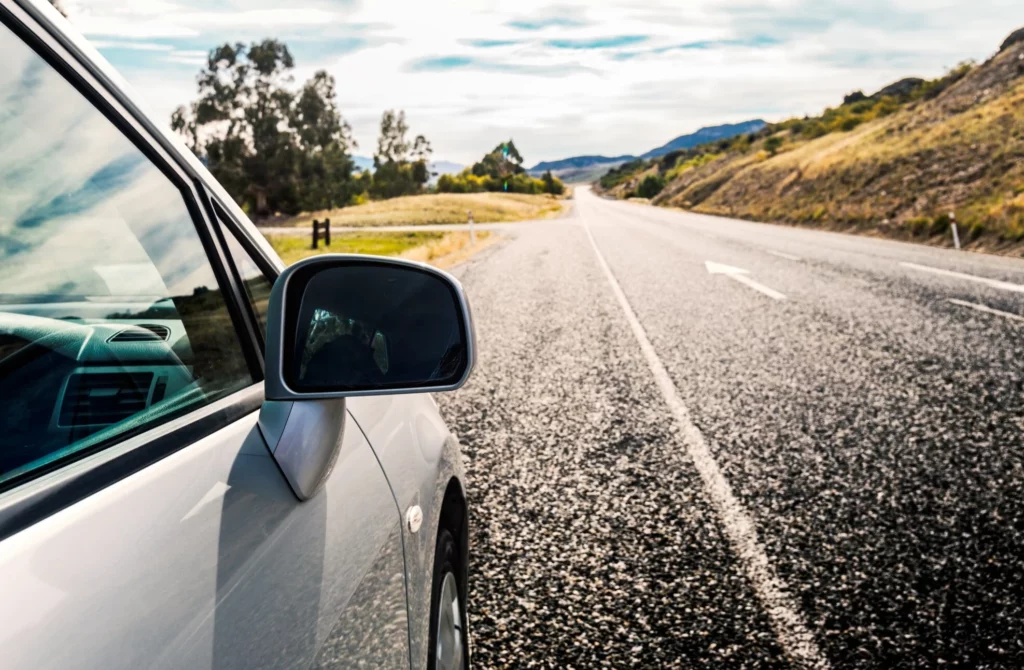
(490, 44)
(444, 63)
(544, 23)
(557, 75)
(597, 42)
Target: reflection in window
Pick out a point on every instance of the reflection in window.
(257, 286)
(111, 317)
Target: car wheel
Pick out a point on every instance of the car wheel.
(449, 640)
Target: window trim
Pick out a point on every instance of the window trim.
(139, 449)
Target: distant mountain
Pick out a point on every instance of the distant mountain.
(446, 167)
(576, 163)
(705, 135)
(363, 163)
(589, 168)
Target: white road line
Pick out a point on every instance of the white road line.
(994, 283)
(770, 292)
(794, 636)
(788, 257)
(987, 309)
(740, 275)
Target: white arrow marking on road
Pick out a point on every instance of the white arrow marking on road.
(788, 257)
(987, 309)
(994, 283)
(740, 275)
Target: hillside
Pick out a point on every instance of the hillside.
(895, 163)
(705, 135)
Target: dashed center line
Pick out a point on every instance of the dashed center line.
(788, 257)
(791, 630)
(994, 283)
(987, 309)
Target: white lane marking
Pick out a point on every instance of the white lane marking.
(794, 636)
(788, 257)
(740, 275)
(987, 309)
(215, 493)
(994, 283)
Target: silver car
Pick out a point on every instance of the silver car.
(206, 460)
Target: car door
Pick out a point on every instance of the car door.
(143, 522)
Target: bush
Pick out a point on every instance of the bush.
(650, 186)
(552, 184)
(467, 182)
(772, 144)
(850, 123)
(691, 164)
(940, 224)
(918, 225)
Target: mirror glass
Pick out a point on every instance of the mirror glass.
(365, 326)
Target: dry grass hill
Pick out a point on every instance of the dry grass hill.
(895, 163)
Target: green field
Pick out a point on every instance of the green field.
(294, 248)
(439, 208)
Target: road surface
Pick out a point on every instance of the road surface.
(697, 442)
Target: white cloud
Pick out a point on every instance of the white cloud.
(772, 59)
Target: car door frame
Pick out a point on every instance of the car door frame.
(38, 494)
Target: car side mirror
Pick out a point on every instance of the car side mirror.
(340, 326)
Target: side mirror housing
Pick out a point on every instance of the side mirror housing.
(340, 326)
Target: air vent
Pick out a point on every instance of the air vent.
(150, 332)
(103, 398)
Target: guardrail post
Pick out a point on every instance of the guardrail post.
(956, 233)
(327, 232)
(316, 233)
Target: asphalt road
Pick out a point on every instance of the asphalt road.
(696, 442)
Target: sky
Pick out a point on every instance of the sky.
(561, 78)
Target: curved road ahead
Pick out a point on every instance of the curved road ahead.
(697, 442)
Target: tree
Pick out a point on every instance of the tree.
(421, 151)
(552, 184)
(325, 140)
(395, 173)
(501, 163)
(272, 149)
(500, 170)
(392, 147)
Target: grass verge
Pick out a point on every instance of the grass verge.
(439, 249)
(439, 208)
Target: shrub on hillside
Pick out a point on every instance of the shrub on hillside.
(650, 186)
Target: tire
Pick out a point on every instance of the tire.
(449, 630)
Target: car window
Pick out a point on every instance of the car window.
(111, 317)
(257, 286)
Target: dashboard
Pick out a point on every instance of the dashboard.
(65, 378)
